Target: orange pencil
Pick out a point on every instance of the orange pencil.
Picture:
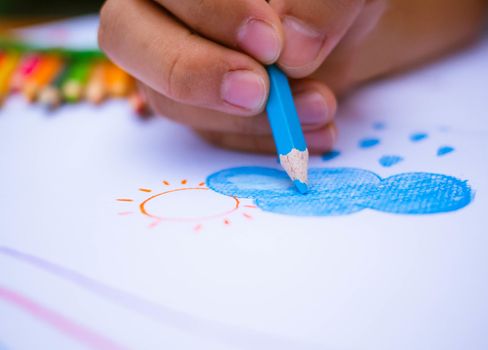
(51, 95)
(119, 83)
(96, 89)
(49, 67)
(7, 68)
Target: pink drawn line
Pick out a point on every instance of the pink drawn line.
(234, 336)
(58, 321)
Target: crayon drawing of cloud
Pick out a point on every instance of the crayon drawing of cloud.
(343, 191)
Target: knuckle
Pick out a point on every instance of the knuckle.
(191, 73)
(175, 84)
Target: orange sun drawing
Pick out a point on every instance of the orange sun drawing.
(186, 203)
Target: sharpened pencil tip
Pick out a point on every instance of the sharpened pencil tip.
(301, 186)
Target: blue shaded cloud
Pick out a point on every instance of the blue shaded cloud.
(343, 191)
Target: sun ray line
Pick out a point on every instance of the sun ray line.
(125, 200)
(147, 190)
(166, 183)
(154, 223)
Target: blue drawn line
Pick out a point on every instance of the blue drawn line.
(389, 161)
(442, 151)
(342, 191)
(368, 143)
(331, 155)
(418, 136)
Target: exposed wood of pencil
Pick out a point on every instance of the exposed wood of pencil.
(96, 89)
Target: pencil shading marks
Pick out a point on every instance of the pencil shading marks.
(418, 136)
(379, 125)
(443, 150)
(343, 191)
(368, 142)
(389, 160)
(331, 155)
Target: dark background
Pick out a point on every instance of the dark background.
(50, 8)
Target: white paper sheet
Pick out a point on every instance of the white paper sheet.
(81, 269)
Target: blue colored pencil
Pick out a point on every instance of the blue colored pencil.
(286, 128)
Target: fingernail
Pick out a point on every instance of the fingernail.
(311, 108)
(302, 43)
(259, 39)
(244, 89)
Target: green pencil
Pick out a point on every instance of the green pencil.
(75, 81)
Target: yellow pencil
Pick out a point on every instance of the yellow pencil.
(7, 68)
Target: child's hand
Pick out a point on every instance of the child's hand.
(202, 61)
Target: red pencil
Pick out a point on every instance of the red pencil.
(2, 56)
(49, 67)
(27, 66)
(139, 104)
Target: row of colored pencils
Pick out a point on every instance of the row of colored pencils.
(54, 78)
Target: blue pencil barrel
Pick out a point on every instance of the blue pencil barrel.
(282, 115)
